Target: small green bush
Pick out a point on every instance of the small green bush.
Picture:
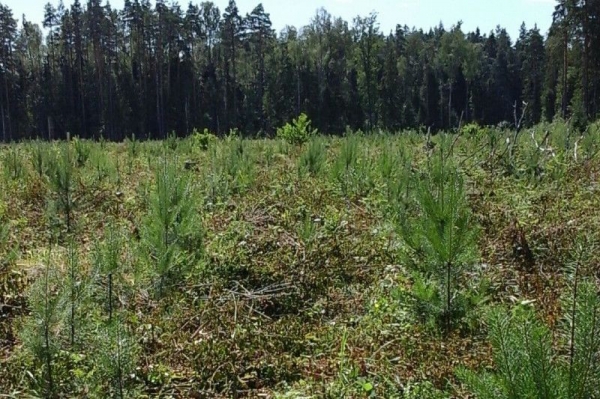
(298, 132)
(203, 140)
(172, 141)
(473, 130)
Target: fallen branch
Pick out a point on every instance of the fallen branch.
(268, 292)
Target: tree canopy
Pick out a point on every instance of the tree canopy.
(148, 70)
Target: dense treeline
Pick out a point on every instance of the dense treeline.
(153, 69)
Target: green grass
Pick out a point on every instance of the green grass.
(287, 271)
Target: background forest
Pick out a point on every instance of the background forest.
(151, 70)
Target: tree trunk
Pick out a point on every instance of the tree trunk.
(235, 110)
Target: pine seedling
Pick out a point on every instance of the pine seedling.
(387, 166)
(523, 358)
(170, 235)
(102, 165)
(4, 235)
(528, 366)
(238, 164)
(73, 290)
(3, 238)
(101, 141)
(587, 147)
(528, 363)
(82, 151)
(393, 167)
(133, 150)
(172, 141)
(307, 230)
(366, 172)
(62, 180)
(107, 261)
(117, 355)
(313, 158)
(580, 326)
(268, 154)
(217, 184)
(39, 330)
(235, 159)
(40, 158)
(116, 360)
(344, 168)
(13, 164)
(442, 237)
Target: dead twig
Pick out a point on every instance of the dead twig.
(543, 147)
(268, 292)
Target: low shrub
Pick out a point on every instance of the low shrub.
(298, 132)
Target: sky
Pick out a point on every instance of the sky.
(485, 14)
